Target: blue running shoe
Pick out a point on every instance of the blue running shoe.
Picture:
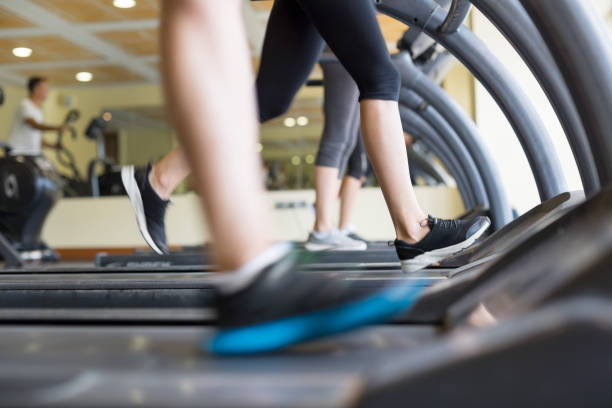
(283, 306)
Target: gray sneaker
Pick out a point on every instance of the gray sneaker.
(334, 241)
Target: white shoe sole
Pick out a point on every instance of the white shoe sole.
(133, 192)
(312, 247)
(419, 262)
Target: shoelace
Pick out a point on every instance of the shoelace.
(451, 225)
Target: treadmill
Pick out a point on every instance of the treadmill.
(525, 225)
(536, 331)
(379, 254)
(188, 297)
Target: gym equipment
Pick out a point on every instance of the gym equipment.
(568, 303)
(74, 185)
(514, 23)
(519, 229)
(136, 297)
(136, 288)
(424, 166)
(428, 16)
(414, 80)
(410, 100)
(29, 188)
(422, 131)
(515, 333)
(109, 182)
(580, 44)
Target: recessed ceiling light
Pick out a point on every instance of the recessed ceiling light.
(22, 52)
(289, 122)
(296, 160)
(84, 76)
(259, 147)
(310, 159)
(124, 3)
(302, 121)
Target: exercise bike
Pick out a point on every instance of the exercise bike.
(29, 188)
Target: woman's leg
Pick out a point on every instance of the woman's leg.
(340, 108)
(205, 91)
(348, 197)
(327, 186)
(343, 23)
(421, 240)
(291, 49)
(351, 183)
(169, 172)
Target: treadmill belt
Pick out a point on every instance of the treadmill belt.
(161, 366)
(137, 297)
(150, 260)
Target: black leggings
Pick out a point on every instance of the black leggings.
(358, 164)
(341, 144)
(341, 117)
(294, 39)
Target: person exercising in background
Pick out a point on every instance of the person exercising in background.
(28, 123)
(338, 142)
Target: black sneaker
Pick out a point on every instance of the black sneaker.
(446, 238)
(150, 209)
(283, 306)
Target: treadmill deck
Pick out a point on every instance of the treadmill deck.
(165, 366)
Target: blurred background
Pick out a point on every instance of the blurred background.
(101, 57)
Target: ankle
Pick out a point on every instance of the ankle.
(322, 228)
(413, 231)
(160, 184)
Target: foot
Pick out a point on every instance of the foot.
(333, 241)
(150, 209)
(282, 306)
(446, 237)
(351, 232)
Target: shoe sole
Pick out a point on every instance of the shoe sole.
(309, 246)
(133, 192)
(419, 262)
(270, 336)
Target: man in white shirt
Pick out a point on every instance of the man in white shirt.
(26, 133)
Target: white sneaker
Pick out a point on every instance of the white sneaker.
(351, 232)
(333, 241)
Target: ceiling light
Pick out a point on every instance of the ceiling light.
(124, 3)
(310, 158)
(22, 52)
(302, 121)
(84, 76)
(289, 122)
(295, 160)
(259, 147)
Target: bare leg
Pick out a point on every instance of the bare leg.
(348, 197)
(208, 85)
(384, 140)
(327, 187)
(169, 172)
